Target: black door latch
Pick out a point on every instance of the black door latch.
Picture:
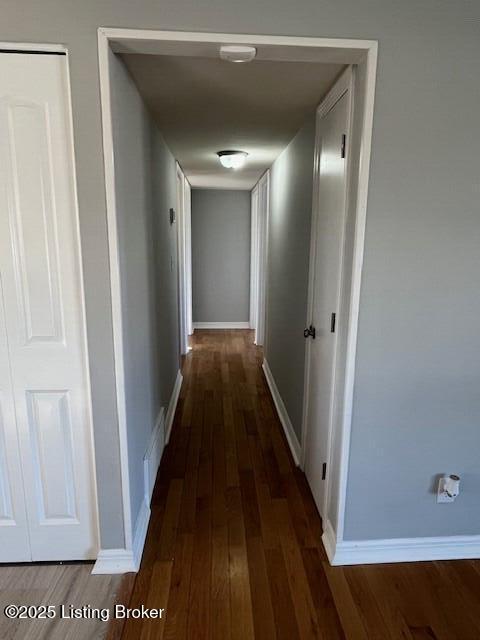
(309, 332)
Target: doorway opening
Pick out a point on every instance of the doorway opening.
(145, 54)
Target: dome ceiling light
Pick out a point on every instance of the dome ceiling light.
(237, 53)
(232, 159)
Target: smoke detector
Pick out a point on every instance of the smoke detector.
(237, 53)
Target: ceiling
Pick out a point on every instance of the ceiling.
(203, 105)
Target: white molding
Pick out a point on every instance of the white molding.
(153, 455)
(221, 325)
(184, 259)
(260, 205)
(188, 255)
(34, 46)
(172, 406)
(282, 414)
(329, 539)
(357, 270)
(112, 561)
(140, 533)
(349, 552)
(287, 48)
(253, 255)
(115, 285)
(339, 50)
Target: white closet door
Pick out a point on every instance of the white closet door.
(42, 292)
(14, 541)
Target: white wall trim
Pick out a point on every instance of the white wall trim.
(127, 560)
(348, 552)
(253, 255)
(339, 50)
(140, 533)
(172, 406)
(112, 561)
(115, 285)
(221, 325)
(290, 434)
(34, 46)
(260, 204)
(153, 455)
(184, 244)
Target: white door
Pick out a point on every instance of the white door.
(14, 540)
(43, 318)
(262, 224)
(258, 261)
(181, 250)
(332, 128)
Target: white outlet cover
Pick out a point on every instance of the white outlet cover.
(442, 495)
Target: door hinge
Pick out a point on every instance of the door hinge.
(333, 322)
(324, 471)
(309, 331)
(344, 144)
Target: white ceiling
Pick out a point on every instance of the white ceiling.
(204, 105)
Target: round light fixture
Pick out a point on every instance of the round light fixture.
(237, 53)
(231, 159)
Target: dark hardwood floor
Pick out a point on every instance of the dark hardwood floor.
(234, 546)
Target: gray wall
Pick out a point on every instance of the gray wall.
(220, 255)
(166, 265)
(145, 189)
(291, 184)
(417, 406)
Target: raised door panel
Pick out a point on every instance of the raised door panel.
(52, 454)
(32, 218)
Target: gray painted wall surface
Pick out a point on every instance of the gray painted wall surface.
(166, 265)
(417, 406)
(144, 183)
(291, 184)
(220, 255)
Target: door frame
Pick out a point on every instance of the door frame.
(344, 83)
(184, 250)
(258, 257)
(47, 48)
(287, 48)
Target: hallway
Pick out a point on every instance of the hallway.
(234, 545)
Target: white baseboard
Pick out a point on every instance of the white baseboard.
(221, 325)
(348, 552)
(140, 533)
(110, 561)
(282, 414)
(153, 455)
(172, 406)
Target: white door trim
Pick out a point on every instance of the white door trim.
(184, 259)
(115, 285)
(258, 257)
(253, 255)
(339, 50)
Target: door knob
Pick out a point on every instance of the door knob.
(309, 332)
